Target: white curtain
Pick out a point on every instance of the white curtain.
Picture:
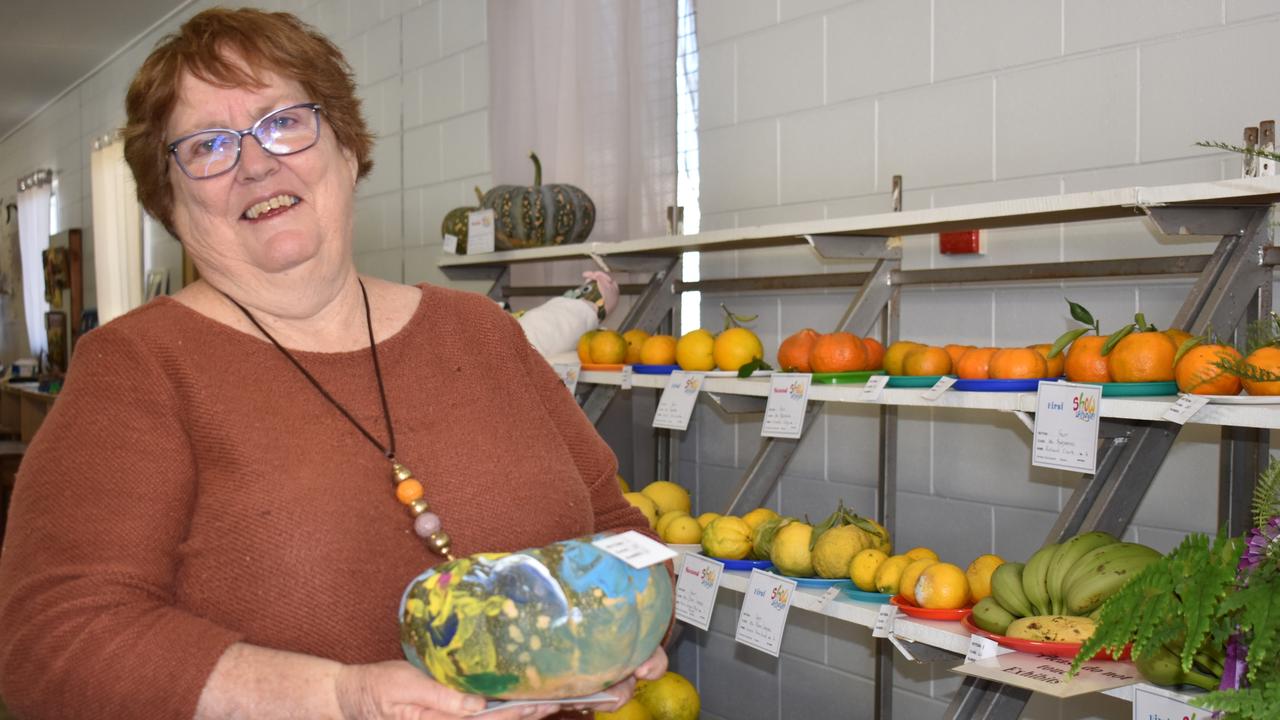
(117, 233)
(590, 87)
(33, 240)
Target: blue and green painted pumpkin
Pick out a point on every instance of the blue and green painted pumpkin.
(560, 621)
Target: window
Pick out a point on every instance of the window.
(687, 178)
(54, 225)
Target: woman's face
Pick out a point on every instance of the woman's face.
(233, 238)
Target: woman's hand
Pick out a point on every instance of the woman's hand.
(651, 669)
(397, 690)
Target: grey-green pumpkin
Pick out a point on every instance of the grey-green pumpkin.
(538, 215)
(455, 223)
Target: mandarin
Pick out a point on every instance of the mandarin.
(793, 353)
(1142, 357)
(1085, 361)
(635, 338)
(1017, 364)
(658, 350)
(956, 352)
(1264, 358)
(1197, 371)
(927, 360)
(975, 364)
(608, 347)
(1053, 364)
(894, 355)
(837, 352)
(875, 353)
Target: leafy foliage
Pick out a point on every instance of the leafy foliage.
(1266, 495)
(1257, 152)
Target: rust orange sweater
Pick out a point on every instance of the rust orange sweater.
(190, 490)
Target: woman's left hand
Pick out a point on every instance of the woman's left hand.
(651, 669)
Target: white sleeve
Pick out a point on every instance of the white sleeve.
(555, 326)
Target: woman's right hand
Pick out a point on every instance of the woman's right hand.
(397, 690)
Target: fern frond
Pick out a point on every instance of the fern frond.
(1258, 152)
(1255, 703)
(1266, 495)
(1245, 370)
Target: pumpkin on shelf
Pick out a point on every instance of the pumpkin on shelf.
(455, 223)
(538, 215)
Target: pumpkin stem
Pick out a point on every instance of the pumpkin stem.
(479, 195)
(537, 169)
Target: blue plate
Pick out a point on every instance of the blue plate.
(864, 596)
(823, 582)
(745, 564)
(654, 369)
(996, 385)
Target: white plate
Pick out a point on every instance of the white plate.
(734, 373)
(1243, 399)
(685, 547)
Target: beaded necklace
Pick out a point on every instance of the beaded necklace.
(409, 491)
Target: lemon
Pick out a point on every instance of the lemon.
(633, 710)
(705, 518)
(658, 350)
(759, 515)
(890, 573)
(584, 346)
(862, 570)
(910, 574)
(635, 338)
(790, 552)
(694, 351)
(727, 537)
(608, 347)
(942, 586)
(835, 549)
(670, 697)
(622, 483)
(979, 575)
(664, 520)
(919, 553)
(645, 505)
(683, 530)
(667, 496)
(736, 347)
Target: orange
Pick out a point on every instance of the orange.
(1197, 371)
(1264, 358)
(975, 363)
(608, 347)
(1053, 364)
(942, 586)
(694, 350)
(1085, 361)
(837, 352)
(584, 346)
(1178, 336)
(635, 338)
(793, 353)
(1142, 357)
(927, 360)
(736, 347)
(894, 355)
(956, 352)
(875, 353)
(910, 574)
(658, 350)
(979, 575)
(1017, 364)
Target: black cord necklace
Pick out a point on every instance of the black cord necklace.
(409, 491)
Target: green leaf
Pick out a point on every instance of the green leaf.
(1140, 319)
(1245, 370)
(1116, 337)
(757, 364)
(1186, 346)
(1266, 494)
(1064, 340)
(1079, 312)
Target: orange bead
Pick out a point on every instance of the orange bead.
(408, 491)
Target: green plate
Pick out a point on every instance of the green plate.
(913, 381)
(839, 378)
(1139, 389)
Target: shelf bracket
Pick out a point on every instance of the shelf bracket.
(852, 247)
(1026, 419)
(1202, 220)
(736, 404)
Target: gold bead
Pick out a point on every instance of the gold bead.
(439, 542)
(419, 506)
(402, 473)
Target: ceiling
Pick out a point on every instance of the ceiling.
(47, 45)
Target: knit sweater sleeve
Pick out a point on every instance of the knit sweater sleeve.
(89, 624)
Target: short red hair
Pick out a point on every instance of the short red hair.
(210, 47)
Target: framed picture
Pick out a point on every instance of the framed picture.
(55, 328)
(57, 275)
(157, 283)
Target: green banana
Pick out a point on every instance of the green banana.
(1006, 588)
(990, 616)
(1033, 578)
(1091, 561)
(1071, 551)
(1091, 589)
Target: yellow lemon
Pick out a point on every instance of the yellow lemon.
(727, 537)
(608, 347)
(759, 515)
(736, 347)
(694, 351)
(635, 338)
(919, 553)
(790, 552)
(683, 530)
(645, 505)
(622, 483)
(633, 710)
(942, 586)
(658, 350)
(584, 346)
(667, 496)
(890, 573)
(979, 575)
(664, 520)
(910, 574)
(670, 697)
(705, 518)
(835, 549)
(862, 569)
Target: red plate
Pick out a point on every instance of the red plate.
(606, 367)
(909, 608)
(1066, 650)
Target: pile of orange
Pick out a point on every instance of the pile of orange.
(811, 351)
(971, 363)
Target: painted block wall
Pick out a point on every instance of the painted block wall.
(808, 109)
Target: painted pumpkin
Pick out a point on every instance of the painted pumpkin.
(537, 215)
(560, 621)
(455, 223)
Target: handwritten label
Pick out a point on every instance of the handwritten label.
(1066, 427)
(874, 388)
(1148, 705)
(569, 373)
(935, 392)
(981, 647)
(626, 377)
(675, 407)
(825, 600)
(451, 244)
(696, 589)
(764, 611)
(480, 231)
(636, 550)
(1185, 408)
(784, 411)
(884, 621)
(1048, 674)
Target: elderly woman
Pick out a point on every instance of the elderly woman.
(221, 513)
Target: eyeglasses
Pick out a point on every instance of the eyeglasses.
(210, 153)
